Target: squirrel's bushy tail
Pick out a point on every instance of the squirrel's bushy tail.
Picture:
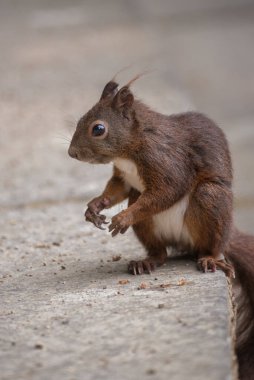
(241, 254)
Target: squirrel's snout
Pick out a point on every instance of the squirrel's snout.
(73, 152)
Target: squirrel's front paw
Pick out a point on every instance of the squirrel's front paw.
(95, 218)
(120, 223)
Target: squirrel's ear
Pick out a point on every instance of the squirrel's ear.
(109, 90)
(123, 99)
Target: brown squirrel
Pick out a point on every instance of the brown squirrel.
(176, 173)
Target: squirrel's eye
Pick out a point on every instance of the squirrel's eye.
(98, 130)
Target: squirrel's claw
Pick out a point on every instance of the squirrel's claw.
(208, 263)
(115, 229)
(119, 223)
(226, 268)
(96, 219)
(141, 267)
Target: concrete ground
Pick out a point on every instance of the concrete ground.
(68, 308)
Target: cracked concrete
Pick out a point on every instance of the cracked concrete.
(64, 314)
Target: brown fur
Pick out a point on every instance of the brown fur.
(241, 253)
(174, 155)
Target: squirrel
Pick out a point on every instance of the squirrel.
(176, 173)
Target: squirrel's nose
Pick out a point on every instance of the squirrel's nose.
(73, 152)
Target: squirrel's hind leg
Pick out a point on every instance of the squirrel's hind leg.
(209, 221)
(156, 251)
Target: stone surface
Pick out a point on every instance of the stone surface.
(69, 311)
(64, 314)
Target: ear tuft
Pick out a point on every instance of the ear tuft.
(109, 90)
(123, 99)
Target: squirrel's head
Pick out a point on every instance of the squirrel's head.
(104, 132)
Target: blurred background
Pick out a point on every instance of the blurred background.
(57, 55)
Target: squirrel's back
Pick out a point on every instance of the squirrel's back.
(190, 139)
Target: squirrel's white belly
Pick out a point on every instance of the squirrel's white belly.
(168, 224)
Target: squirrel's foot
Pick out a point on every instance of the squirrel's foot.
(147, 265)
(209, 263)
(142, 266)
